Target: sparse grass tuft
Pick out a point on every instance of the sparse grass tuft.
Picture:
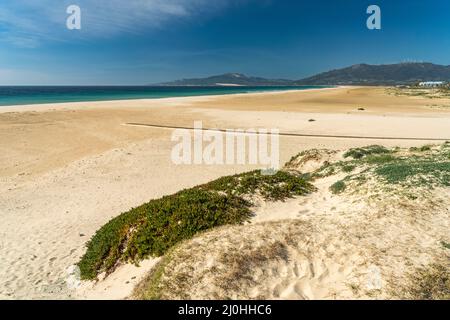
(241, 266)
(429, 283)
(224, 263)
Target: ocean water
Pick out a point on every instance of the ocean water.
(22, 95)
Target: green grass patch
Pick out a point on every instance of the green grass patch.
(338, 187)
(420, 149)
(424, 171)
(379, 159)
(153, 228)
(429, 166)
(348, 168)
(275, 187)
(446, 245)
(359, 153)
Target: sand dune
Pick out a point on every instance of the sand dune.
(358, 245)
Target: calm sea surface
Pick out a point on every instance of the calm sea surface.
(19, 95)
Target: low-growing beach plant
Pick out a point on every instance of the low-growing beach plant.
(153, 228)
(348, 168)
(379, 159)
(420, 149)
(423, 171)
(446, 245)
(359, 153)
(275, 187)
(426, 167)
(338, 187)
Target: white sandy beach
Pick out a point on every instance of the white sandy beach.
(66, 169)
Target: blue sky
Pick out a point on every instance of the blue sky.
(149, 41)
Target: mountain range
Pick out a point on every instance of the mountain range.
(236, 79)
(359, 74)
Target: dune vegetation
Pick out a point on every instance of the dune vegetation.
(385, 190)
(153, 228)
(427, 166)
(368, 206)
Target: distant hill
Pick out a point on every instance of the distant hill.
(389, 74)
(358, 74)
(229, 79)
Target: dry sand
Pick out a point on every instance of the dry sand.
(66, 169)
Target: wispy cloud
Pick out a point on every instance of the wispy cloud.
(27, 23)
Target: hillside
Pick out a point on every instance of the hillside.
(359, 74)
(237, 79)
(392, 74)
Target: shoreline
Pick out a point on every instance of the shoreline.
(99, 103)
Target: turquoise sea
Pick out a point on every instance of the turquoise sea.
(21, 95)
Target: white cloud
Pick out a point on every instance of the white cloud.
(28, 22)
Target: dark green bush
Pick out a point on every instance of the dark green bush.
(379, 159)
(153, 228)
(275, 187)
(338, 187)
(359, 153)
(181, 216)
(421, 149)
(348, 168)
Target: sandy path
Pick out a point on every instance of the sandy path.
(64, 173)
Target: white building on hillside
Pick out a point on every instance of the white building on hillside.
(432, 84)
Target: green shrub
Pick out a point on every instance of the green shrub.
(104, 248)
(446, 245)
(420, 149)
(380, 159)
(348, 168)
(275, 187)
(338, 187)
(153, 228)
(359, 153)
(425, 148)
